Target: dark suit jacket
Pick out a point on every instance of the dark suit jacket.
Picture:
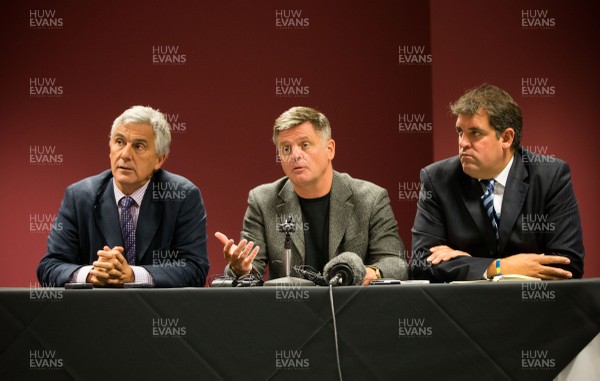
(170, 233)
(539, 215)
(361, 220)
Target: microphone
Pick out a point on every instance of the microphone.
(288, 227)
(311, 275)
(346, 269)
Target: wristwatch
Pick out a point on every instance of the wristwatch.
(377, 271)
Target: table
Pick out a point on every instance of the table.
(492, 331)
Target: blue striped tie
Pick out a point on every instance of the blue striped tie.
(128, 229)
(488, 204)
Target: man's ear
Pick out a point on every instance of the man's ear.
(507, 137)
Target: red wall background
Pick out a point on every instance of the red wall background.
(69, 68)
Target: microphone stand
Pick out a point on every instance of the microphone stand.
(288, 227)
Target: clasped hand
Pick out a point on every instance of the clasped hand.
(530, 264)
(111, 268)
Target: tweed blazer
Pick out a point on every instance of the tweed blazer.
(361, 220)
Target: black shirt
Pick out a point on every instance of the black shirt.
(315, 212)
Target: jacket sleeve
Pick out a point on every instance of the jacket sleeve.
(254, 230)
(191, 265)
(429, 229)
(386, 250)
(562, 234)
(61, 258)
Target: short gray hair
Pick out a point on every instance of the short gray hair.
(147, 115)
(298, 115)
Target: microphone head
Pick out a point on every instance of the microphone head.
(349, 266)
(286, 226)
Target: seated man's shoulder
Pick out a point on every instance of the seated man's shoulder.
(90, 184)
(444, 167)
(541, 165)
(271, 190)
(358, 186)
(173, 178)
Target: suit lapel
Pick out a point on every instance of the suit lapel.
(107, 216)
(515, 193)
(471, 195)
(291, 206)
(340, 211)
(148, 221)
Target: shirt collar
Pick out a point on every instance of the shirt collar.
(138, 195)
(503, 176)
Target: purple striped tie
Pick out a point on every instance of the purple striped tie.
(128, 228)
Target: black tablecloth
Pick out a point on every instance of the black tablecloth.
(493, 331)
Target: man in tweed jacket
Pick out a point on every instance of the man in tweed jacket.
(332, 212)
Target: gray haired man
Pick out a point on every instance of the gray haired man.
(135, 223)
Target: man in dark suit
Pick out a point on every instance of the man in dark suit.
(495, 208)
(333, 212)
(134, 223)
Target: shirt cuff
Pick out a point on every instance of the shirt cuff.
(141, 275)
(80, 275)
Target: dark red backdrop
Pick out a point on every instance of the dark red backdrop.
(382, 72)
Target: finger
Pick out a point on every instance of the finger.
(107, 263)
(556, 273)
(239, 259)
(120, 249)
(222, 238)
(106, 255)
(437, 257)
(102, 265)
(247, 250)
(119, 258)
(432, 257)
(114, 282)
(114, 274)
(100, 275)
(98, 269)
(118, 266)
(229, 249)
(235, 255)
(250, 258)
(447, 255)
(439, 247)
(553, 259)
